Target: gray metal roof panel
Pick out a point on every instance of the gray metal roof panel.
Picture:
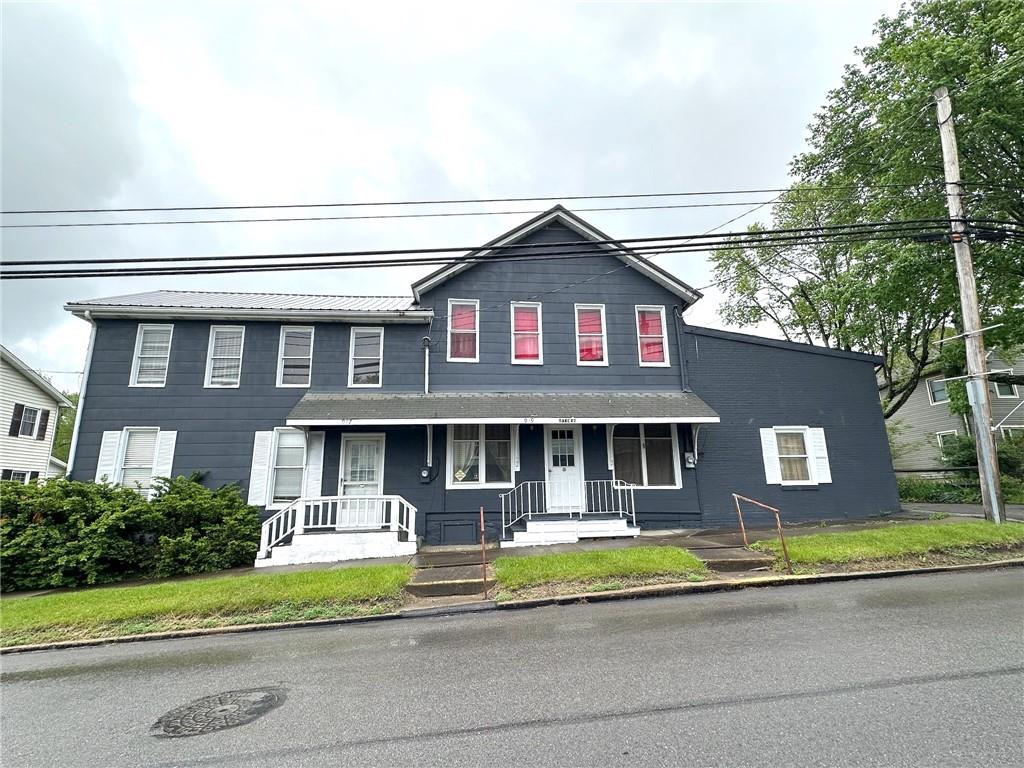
(253, 301)
(584, 407)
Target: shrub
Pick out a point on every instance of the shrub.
(960, 451)
(938, 491)
(64, 533)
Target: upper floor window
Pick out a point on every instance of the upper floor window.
(30, 422)
(1005, 390)
(651, 337)
(152, 351)
(527, 341)
(937, 391)
(224, 356)
(591, 335)
(295, 360)
(365, 357)
(464, 330)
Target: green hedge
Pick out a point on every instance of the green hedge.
(960, 491)
(63, 533)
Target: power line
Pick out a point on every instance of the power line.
(456, 201)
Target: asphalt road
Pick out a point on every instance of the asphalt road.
(919, 671)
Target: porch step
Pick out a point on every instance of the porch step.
(335, 547)
(541, 532)
(733, 559)
(442, 581)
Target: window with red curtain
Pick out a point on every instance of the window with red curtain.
(590, 341)
(462, 330)
(650, 329)
(526, 333)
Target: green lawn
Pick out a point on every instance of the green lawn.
(635, 562)
(219, 601)
(895, 542)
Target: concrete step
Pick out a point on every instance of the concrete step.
(733, 559)
(449, 580)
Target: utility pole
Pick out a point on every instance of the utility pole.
(977, 381)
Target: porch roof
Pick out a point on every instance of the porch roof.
(327, 409)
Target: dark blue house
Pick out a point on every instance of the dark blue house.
(559, 390)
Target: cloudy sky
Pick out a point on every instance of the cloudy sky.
(161, 104)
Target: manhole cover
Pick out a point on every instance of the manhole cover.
(217, 712)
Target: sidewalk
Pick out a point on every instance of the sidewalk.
(1013, 511)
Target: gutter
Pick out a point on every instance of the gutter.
(81, 395)
(285, 315)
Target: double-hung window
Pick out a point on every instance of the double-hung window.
(289, 465)
(937, 391)
(527, 339)
(651, 337)
(295, 357)
(139, 457)
(152, 352)
(795, 456)
(365, 357)
(646, 454)
(29, 422)
(591, 335)
(464, 330)
(224, 356)
(480, 454)
(794, 461)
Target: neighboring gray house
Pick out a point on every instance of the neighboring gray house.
(925, 420)
(29, 407)
(564, 396)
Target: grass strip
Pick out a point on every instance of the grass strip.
(604, 565)
(894, 542)
(219, 601)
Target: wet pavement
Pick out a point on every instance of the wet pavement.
(915, 671)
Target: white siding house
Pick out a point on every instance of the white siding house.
(29, 406)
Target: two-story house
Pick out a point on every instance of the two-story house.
(925, 421)
(563, 395)
(29, 405)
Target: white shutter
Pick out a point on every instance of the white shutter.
(164, 462)
(609, 433)
(770, 456)
(819, 454)
(314, 463)
(106, 464)
(259, 474)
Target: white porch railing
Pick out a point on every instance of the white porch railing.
(539, 497)
(339, 513)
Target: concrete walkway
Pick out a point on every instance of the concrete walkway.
(1013, 511)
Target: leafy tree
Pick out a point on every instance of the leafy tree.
(875, 156)
(65, 428)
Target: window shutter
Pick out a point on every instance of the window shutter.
(259, 474)
(106, 463)
(770, 456)
(314, 463)
(44, 419)
(515, 448)
(819, 452)
(6, 474)
(33, 476)
(163, 464)
(609, 433)
(19, 409)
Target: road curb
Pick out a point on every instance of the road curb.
(482, 606)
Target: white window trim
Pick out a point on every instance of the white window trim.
(476, 331)
(643, 458)
(35, 426)
(280, 355)
(667, 362)
(132, 382)
(122, 448)
(1008, 431)
(208, 384)
(604, 334)
(24, 472)
(449, 481)
(352, 358)
(540, 332)
(271, 474)
(931, 399)
(1013, 388)
(940, 434)
(812, 472)
(348, 436)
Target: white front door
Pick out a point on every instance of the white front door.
(362, 474)
(563, 446)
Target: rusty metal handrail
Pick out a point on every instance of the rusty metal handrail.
(778, 524)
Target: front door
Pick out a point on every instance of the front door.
(564, 470)
(362, 474)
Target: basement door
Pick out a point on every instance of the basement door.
(563, 446)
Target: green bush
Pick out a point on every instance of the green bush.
(960, 491)
(63, 533)
(960, 451)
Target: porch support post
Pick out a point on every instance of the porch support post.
(300, 515)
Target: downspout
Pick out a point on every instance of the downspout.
(681, 346)
(81, 395)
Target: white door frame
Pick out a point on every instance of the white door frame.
(577, 433)
(379, 436)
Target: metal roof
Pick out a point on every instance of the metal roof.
(269, 301)
(318, 408)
